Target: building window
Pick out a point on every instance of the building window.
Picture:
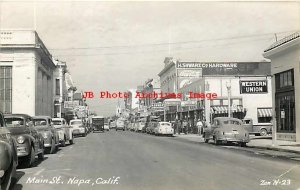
(284, 79)
(5, 89)
(57, 86)
(285, 102)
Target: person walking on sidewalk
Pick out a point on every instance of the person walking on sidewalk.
(199, 127)
(184, 126)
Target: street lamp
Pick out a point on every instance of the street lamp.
(228, 85)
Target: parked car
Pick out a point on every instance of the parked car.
(152, 126)
(164, 128)
(120, 125)
(112, 124)
(29, 142)
(65, 132)
(8, 156)
(78, 127)
(45, 127)
(262, 129)
(140, 125)
(224, 130)
(106, 126)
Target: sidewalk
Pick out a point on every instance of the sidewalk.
(255, 142)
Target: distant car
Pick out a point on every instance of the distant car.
(8, 156)
(151, 127)
(164, 128)
(65, 132)
(224, 130)
(140, 125)
(106, 126)
(98, 123)
(78, 127)
(120, 125)
(30, 142)
(112, 125)
(44, 126)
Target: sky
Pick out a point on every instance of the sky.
(115, 46)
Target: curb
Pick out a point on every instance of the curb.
(274, 148)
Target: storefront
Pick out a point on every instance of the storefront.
(285, 68)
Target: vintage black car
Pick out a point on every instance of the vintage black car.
(45, 127)
(8, 156)
(29, 142)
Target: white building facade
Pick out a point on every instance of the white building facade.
(26, 74)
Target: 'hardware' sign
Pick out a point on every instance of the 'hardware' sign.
(253, 87)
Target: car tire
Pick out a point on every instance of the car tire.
(263, 132)
(29, 160)
(63, 143)
(41, 156)
(243, 144)
(217, 142)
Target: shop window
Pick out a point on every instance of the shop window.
(284, 79)
(5, 89)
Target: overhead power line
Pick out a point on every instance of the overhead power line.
(169, 43)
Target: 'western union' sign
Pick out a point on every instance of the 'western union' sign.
(253, 87)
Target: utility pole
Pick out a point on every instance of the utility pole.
(228, 85)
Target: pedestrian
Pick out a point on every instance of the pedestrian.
(184, 126)
(200, 127)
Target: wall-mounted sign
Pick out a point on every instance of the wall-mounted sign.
(188, 103)
(253, 87)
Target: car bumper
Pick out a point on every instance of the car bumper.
(78, 132)
(229, 139)
(23, 150)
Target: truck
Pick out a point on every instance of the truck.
(258, 129)
(98, 123)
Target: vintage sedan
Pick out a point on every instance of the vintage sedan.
(164, 128)
(65, 132)
(44, 126)
(8, 156)
(78, 127)
(29, 142)
(151, 127)
(226, 130)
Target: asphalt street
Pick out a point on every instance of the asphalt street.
(127, 160)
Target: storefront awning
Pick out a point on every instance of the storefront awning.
(264, 112)
(224, 109)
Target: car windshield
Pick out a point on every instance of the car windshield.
(39, 122)
(56, 122)
(14, 122)
(165, 124)
(75, 122)
(232, 122)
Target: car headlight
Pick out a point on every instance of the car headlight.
(21, 139)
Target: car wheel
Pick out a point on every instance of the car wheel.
(263, 132)
(41, 155)
(71, 141)
(243, 144)
(206, 140)
(217, 142)
(53, 147)
(29, 160)
(63, 143)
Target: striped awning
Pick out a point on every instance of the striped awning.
(264, 112)
(224, 109)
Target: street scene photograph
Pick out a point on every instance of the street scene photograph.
(144, 95)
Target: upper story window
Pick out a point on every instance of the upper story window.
(284, 79)
(57, 87)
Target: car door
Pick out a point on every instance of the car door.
(248, 125)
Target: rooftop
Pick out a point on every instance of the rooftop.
(283, 41)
